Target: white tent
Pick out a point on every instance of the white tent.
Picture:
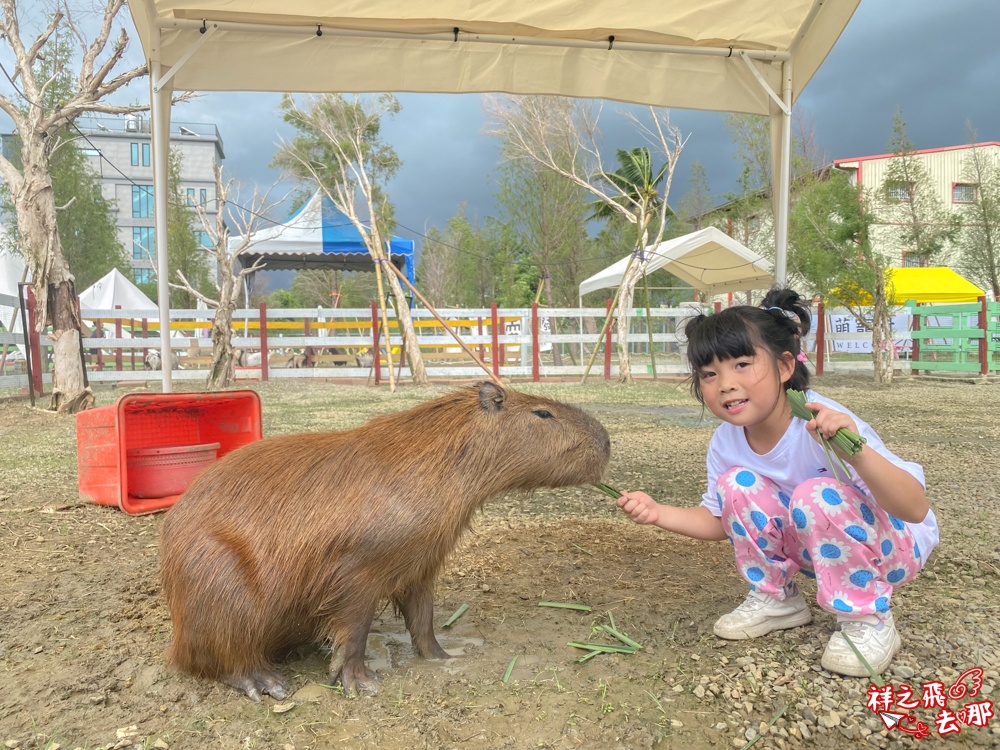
(709, 260)
(753, 56)
(113, 290)
(11, 274)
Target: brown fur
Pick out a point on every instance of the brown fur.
(298, 538)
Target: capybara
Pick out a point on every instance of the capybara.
(298, 538)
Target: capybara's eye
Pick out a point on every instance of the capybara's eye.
(543, 413)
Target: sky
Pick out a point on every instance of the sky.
(937, 62)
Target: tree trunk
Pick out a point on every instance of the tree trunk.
(221, 372)
(556, 354)
(409, 334)
(626, 297)
(55, 293)
(883, 347)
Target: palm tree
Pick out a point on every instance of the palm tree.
(637, 190)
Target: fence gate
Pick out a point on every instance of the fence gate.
(961, 337)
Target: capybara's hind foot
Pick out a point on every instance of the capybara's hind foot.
(357, 678)
(258, 683)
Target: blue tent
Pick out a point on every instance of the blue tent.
(318, 236)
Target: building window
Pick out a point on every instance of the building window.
(135, 154)
(143, 275)
(913, 260)
(963, 192)
(203, 240)
(142, 201)
(203, 197)
(190, 196)
(145, 154)
(898, 191)
(143, 243)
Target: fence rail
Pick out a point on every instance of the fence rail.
(516, 343)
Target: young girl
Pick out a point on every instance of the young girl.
(774, 495)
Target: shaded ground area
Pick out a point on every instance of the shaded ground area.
(83, 627)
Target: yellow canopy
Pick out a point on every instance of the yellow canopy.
(927, 285)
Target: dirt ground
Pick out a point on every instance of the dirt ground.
(83, 628)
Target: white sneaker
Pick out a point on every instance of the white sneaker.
(877, 640)
(759, 614)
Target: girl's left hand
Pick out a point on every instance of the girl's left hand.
(827, 421)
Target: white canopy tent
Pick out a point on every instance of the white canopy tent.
(728, 55)
(709, 260)
(11, 274)
(114, 290)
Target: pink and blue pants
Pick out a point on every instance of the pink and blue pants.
(831, 532)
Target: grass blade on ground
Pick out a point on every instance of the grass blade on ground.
(566, 605)
(458, 613)
(769, 725)
(589, 656)
(510, 668)
(621, 637)
(604, 648)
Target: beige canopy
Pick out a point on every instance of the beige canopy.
(751, 56)
(709, 260)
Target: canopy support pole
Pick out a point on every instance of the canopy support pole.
(160, 102)
(784, 176)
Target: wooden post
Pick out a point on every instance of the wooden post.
(495, 343)
(607, 341)
(131, 330)
(534, 342)
(482, 349)
(915, 340)
(984, 342)
(34, 345)
(99, 334)
(820, 337)
(118, 335)
(263, 341)
(307, 351)
(376, 359)
(145, 335)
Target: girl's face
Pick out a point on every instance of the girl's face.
(746, 391)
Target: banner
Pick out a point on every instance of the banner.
(841, 324)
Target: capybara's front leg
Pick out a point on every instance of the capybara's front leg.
(348, 661)
(259, 682)
(417, 607)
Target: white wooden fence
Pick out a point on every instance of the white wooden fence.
(515, 343)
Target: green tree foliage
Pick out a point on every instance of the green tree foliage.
(979, 239)
(695, 205)
(830, 242)
(187, 259)
(913, 215)
(546, 215)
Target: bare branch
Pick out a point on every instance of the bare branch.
(186, 287)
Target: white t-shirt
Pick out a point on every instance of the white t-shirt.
(798, 457)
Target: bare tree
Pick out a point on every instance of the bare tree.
(38, 123)
(562, 135)
(247, 220)
(340, 151)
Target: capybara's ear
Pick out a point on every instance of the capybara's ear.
(491, 396)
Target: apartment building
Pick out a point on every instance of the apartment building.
(119, 149)
(947, 169)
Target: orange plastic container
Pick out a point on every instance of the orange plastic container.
(141, 453)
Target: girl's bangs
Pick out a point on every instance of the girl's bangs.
(721, 337)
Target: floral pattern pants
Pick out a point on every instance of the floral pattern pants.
(830, 531)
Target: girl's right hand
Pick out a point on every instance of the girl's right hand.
(640, 507)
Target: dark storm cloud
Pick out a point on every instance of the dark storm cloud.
(938, 62)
